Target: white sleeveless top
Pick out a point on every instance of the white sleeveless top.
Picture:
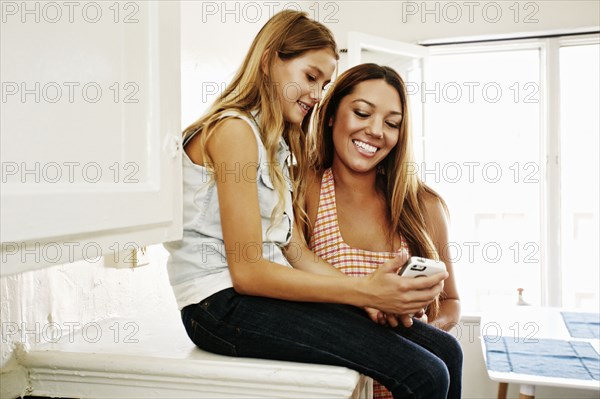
(197, 263)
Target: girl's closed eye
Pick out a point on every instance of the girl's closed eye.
(393, 125)
(361, 114)
(311, 78)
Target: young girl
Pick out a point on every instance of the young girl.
(363, 205)
(237, 292)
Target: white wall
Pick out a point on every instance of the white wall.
(216, 35)
(70, 298)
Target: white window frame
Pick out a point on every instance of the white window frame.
(550, 206)
(358, 41)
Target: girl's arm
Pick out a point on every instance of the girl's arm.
(302, 258)
(233, 149)
(297, 252)
(449, 314)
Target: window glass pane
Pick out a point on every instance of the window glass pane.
(580, 88)
(482, 154)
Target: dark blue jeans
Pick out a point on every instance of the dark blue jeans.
(417, 362)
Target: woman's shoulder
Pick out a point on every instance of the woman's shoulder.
(435, 208)
(313, 192)
(313, 182)
(430, 199)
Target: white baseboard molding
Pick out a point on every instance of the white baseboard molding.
(14, 383)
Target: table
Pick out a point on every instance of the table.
(519, 323)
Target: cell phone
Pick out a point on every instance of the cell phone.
(417, 266)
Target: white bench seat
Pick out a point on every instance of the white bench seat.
(156, 359)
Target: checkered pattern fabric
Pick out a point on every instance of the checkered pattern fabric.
(327, 242)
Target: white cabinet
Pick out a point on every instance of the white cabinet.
(90, 129)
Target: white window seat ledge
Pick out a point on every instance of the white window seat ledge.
(156, 359)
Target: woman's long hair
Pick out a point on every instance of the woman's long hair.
(403, 189)
(287, 35)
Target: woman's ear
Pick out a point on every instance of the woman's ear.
(264, 66)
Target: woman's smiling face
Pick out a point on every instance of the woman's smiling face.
(366, 126)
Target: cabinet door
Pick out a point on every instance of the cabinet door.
(90, 144)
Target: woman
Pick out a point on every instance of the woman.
(237, 293)
(363, 205)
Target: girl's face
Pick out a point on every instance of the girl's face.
(366, 126)
(299, 82)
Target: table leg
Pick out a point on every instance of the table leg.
(502, 388)
(527, 391)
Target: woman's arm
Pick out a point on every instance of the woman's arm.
(449, 314)
(233, 149)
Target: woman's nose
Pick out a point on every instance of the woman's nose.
(375, 129)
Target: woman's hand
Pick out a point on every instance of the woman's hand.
(421, 316)
(393, 320)
(407, 319)
(375, 315)
(381, 318)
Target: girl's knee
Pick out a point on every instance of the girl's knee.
(453, 350)
(429, 379)
(434, 381)
(440, 379)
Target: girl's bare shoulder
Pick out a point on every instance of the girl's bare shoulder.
(234, 137)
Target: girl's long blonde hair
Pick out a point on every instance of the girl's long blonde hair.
(287, 35)
(404, 191)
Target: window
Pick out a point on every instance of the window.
(485, 143)
(579, 126)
